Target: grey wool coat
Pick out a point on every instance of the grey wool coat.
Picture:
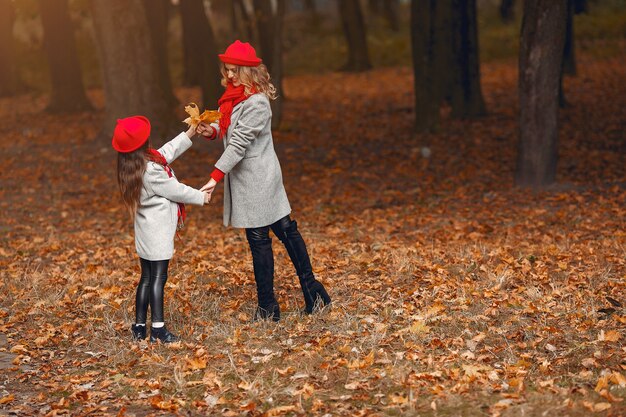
(156, 219)
(254, 194)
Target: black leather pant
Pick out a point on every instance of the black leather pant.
(150, 290)
(263, 262)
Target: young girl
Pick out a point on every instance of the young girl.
(156, 200)
(254, 195)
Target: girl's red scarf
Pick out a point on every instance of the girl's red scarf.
(155, 156)
(231, 97)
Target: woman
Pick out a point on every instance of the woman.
(254, 195)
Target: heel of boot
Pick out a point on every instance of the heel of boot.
(271, 311)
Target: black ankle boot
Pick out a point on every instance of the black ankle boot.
(162, 334)
(138, 332)
(271, 311)
(315, 295)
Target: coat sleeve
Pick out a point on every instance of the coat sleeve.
(253, 119)
(175, 147)
(169, 187)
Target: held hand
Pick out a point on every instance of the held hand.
(207, 197)
(191, 132)
(209, 186)
(204, 129)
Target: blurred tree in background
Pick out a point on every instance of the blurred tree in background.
(140, 51)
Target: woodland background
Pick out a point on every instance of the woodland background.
(458, 289)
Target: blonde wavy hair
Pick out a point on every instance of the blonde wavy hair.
(253, 78)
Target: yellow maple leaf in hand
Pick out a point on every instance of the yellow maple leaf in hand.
(207, 116)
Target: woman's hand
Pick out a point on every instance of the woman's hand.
(207, 197)
(203, 129)
(206, 130)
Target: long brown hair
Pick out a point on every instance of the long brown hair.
(130, 169)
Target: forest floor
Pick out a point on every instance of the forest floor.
(454, 292)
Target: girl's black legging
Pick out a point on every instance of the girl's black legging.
(150, 290)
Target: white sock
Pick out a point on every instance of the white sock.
(158, 324)
(140, 324)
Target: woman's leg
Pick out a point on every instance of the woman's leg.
(263, 264)
(158, 278)
(313, 290)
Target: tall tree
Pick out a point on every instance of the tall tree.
(540, 62)
(507, 10)
(467, 98)
(200, 50)
(445, 60)
(310, 6)
(423, 48)
(390, 11)
(248, 30)
(158, 13)
(224, 18)
(265, 21)
(132, 84)
(67, 90)
(8, 72)
(354, 30)
(270, 28)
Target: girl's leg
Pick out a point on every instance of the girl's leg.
(158, 278)
(313, 290)
(263, 263)
(142, 299)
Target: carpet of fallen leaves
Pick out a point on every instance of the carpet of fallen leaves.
(454, 292)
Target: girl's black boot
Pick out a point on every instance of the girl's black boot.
(162, 334)
(138, 332)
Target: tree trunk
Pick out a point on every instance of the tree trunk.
(201, 50)
(467, 98)
(507, 10)
(541, 55)
(373, 6)
(427, 98)
(265, 22)
(569, 56)
(310, 7)
(8, 73)
(157, 13)
(277, 64)
(354, 30)
(225, 28)
(129, 64)
(247, 21)
(391, 14)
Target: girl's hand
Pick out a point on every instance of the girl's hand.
(207, 197)
(209, 186)
(191, 132)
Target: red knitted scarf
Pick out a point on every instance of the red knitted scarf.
(155, 156)
(231, 97)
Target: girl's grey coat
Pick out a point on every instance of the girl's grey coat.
(254, 195)
(157, 216)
